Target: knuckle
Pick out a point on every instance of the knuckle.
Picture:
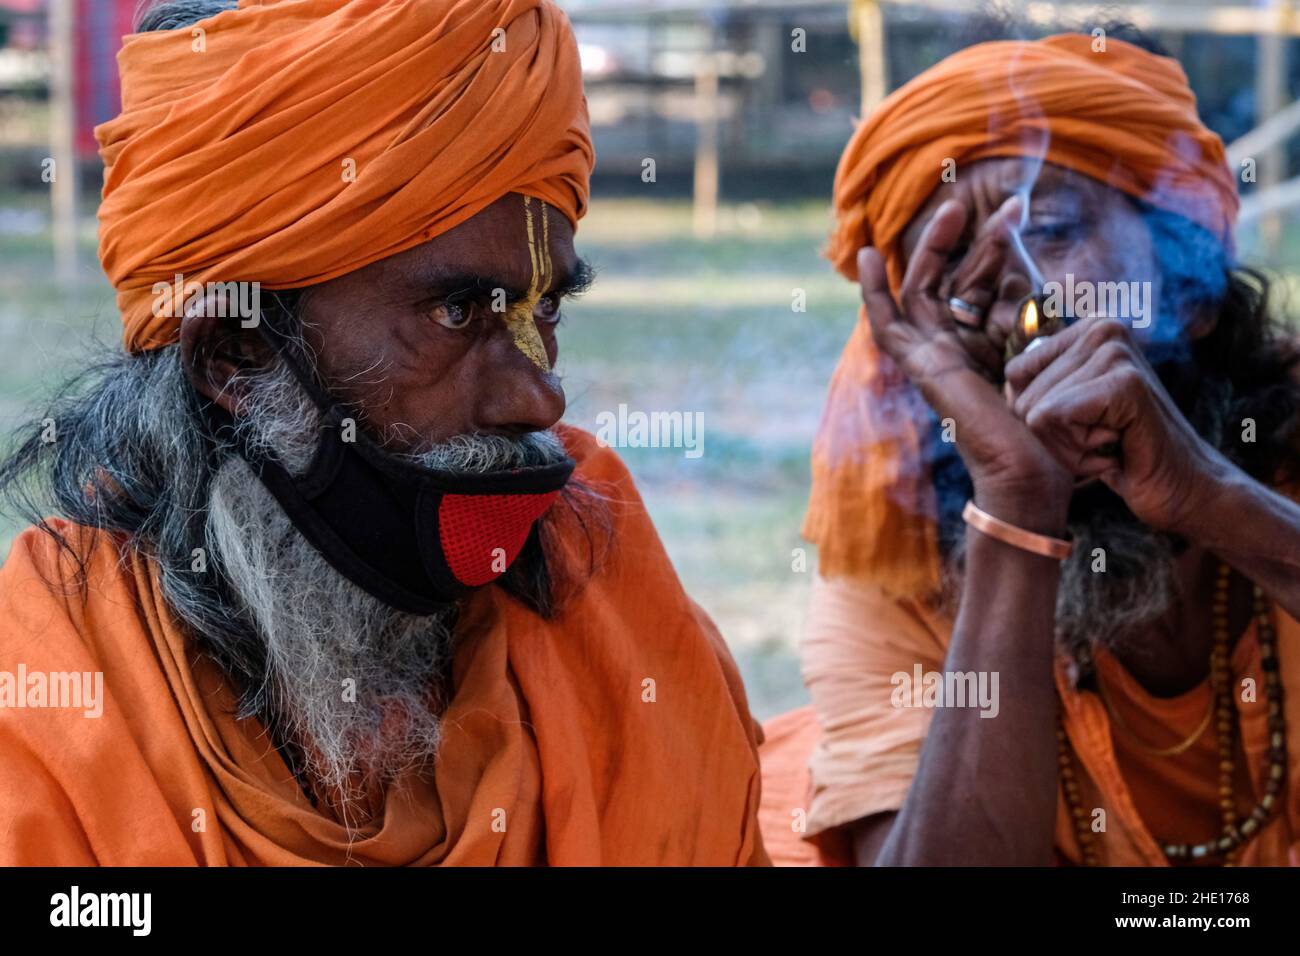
(1106, 330)
(1130, 378)
(1039, 419)
(911, 298)
(1112, 353)
(1017, 373)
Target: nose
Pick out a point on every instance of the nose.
(516, 395)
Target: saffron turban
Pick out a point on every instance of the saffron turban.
(288, 142)
(1122, 116)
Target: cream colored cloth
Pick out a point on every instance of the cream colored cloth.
(856, 639)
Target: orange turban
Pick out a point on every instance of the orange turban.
(1121, 115)
(292, 141)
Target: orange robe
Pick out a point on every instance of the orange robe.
(553, 750)
(851, 754)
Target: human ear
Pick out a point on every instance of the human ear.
(214, 350)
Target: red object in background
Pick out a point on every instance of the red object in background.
(100, 26)
(821, 100)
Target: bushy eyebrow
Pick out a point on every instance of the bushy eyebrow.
(465, 283)
(1065, 191)
(573, 281)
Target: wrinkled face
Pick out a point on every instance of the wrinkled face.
(448, 349)
(456, 336)
(1075, 226)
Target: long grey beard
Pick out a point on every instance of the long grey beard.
(1120, 580)
(352, 680)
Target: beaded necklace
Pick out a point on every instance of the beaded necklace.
(1237, 831)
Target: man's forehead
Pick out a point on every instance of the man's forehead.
(1007, 176)
(505, 242)
(998, 179)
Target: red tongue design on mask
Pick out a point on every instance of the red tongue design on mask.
(473, 527)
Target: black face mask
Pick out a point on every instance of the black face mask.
(414, 537)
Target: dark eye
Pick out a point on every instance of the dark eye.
(548, 309)
(1053, 230)
(451, 315)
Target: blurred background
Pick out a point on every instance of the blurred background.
(705, 256)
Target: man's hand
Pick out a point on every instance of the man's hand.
(1015, 477)
(952, 813)
(1092, 399)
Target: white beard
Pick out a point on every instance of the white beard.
(354, 682)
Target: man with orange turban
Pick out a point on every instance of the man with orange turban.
(329, 584)
(1056, 616)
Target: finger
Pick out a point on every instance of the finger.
(1098, 437)
(1085, 417)
(926, 265)
(1005, 313)
(887, 325)
(1028, 365)
(1096, 466)
(1103, 347)
(972, 311)
(1003, 317)
(1079, 363)
(1084, 450)
(979, 269)
(1068, 425)
(1096, 452)
(981, 349)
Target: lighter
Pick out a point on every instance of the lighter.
(1033, 320)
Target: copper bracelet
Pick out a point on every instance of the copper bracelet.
(998, 529)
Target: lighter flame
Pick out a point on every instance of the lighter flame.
(1029, 322)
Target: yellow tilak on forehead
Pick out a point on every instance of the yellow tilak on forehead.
(519, 319)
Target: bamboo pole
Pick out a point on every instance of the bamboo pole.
(869, 24)
(1270, 92)
(63, 190)
(704, 210)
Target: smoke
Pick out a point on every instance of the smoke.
(1033, 134)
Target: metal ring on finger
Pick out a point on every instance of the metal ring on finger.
(966, 314)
